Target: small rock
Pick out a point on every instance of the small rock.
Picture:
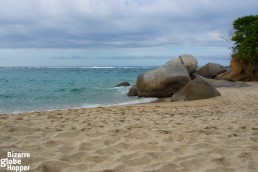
(123, 84)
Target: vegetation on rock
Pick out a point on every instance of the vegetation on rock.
(246, 39)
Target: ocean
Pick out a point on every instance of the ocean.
(27, 89)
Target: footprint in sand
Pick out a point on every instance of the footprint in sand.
(254, 135)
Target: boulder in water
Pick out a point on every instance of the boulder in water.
(123, 84)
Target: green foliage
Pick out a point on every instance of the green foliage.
(246, 39)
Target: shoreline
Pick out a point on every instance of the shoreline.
(135, 102)
(217, 134)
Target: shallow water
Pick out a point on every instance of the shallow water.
(38, 89)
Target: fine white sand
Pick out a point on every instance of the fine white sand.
(218, 134)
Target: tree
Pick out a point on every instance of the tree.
(246, 39)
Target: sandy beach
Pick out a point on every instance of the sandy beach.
(218, 134)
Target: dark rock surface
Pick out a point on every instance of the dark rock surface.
(123, 84)
(195, 90)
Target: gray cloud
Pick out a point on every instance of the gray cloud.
(69, 58)
(110, 57)
(117, 23)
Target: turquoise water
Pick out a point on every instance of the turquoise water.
(39, 89)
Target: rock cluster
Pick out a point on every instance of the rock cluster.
(167, 79)
(180, 79)
(163, 81)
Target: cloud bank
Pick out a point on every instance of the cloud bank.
(116, 32)
(118, 23)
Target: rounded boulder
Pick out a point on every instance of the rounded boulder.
(163, 81)
(189, 62)
(211, 70)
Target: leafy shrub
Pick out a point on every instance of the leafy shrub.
(246, 39)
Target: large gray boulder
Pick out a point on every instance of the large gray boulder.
(189, 62)
(163, 81)
(210, 70)
(195, 90)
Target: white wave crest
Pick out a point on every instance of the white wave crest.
(139, 101)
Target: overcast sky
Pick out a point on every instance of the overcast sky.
(116, 32)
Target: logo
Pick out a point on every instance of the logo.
(13, 162)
